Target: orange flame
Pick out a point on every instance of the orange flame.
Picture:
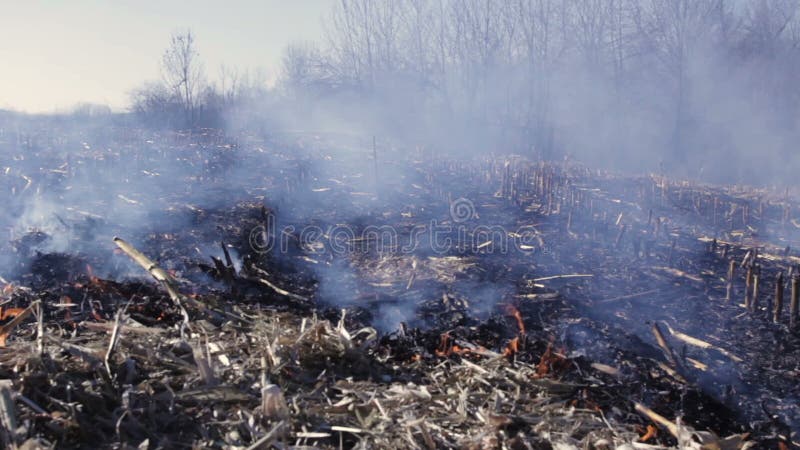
(551, 362)
(94, 281)
(512, 348)
(6, 329)
(543, 367)
(652, 432)
(6, 313)
(447, 347)
(444, 345)
(511, 310)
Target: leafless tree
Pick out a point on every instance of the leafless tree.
(229, 81)
(183, 72)
(155, 104)
(305, 68)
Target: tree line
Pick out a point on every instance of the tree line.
(538, 75)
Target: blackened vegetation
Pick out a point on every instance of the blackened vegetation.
(575, 333)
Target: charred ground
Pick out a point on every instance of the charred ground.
(602, 306)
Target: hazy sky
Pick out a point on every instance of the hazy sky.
(54, 54)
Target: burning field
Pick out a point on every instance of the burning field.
(202, 291)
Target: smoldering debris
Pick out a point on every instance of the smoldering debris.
(519, 315)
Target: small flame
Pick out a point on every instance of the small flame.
(652, 432)
(94, 281)
(512, 348)
(511, 310)
(447, 347)
(444, 345)
(551, 362)
(6, 313)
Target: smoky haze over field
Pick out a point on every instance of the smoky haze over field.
(704, 89)
(700, 88)
(696, 88)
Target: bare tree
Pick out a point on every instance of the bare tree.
(155, 105)
(183, 73)
(304, 67)
(229, 80)
(766, 23)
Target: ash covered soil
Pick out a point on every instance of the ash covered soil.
(199, 291)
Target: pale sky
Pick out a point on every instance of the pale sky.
(54, 54)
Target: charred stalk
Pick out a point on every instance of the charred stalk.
(776, 313)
